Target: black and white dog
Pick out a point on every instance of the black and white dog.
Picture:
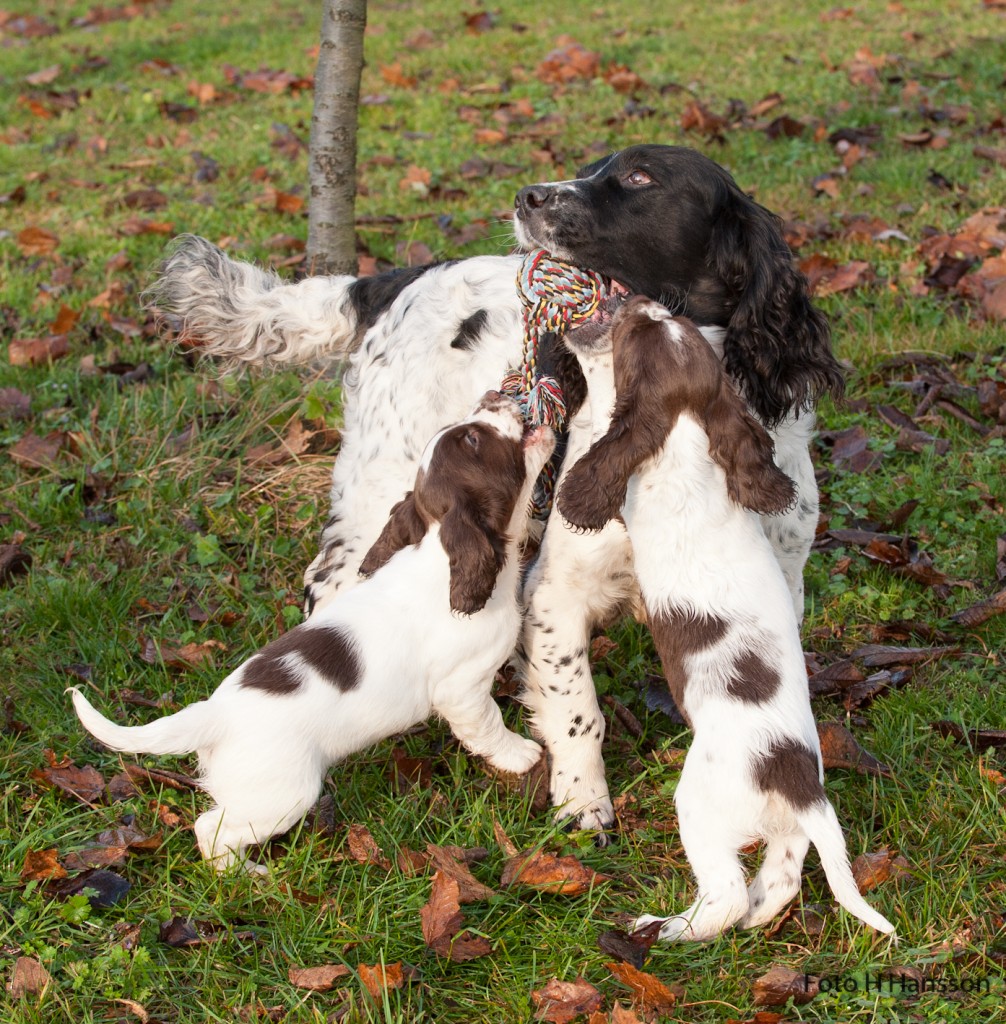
(425, 632)
(686, 466)
(422, 344)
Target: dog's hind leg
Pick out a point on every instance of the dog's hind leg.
(778, 879)
(223, 845)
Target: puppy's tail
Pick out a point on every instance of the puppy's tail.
(181, 733)
(242, 315)
(820, 823)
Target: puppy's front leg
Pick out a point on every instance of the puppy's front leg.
(578, 580)
(475, 719)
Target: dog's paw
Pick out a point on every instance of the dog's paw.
(598, 816)
(520, 756)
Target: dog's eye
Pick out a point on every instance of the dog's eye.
(638, 178)
(472, 439)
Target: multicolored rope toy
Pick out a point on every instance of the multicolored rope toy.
(556, 297)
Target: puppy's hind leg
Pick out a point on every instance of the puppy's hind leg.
(778, 879)
(223, 846)
(710, 841)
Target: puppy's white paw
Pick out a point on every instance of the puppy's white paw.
(672, 929)
(520, 755)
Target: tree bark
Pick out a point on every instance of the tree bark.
(331, 234)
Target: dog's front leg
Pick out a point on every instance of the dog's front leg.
(578, 581)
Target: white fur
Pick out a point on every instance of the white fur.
(263, 756)
(696, 550)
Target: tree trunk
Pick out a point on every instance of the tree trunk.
(331, 234)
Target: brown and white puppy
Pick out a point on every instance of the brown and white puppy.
(424, 633)
(688, 469)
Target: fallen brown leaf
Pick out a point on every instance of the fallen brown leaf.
(567, 63)
(42, 865)
(873, 869)
(190, 655)
(979, 739)
(159, 777)
(85, 784)
(28, 978)
(447, 862)
(14, 562)
(317, 979)
(564, 1001)
(981, 612)
(37, 351)
(441, 922)
(839, 749)
(540, 870)
(648, 991)
(363, 847)
(381, 978)
(36, 241)
(779, 984)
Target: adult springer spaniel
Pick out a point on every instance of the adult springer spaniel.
(422, 344)
(426, 631)
(687, 467)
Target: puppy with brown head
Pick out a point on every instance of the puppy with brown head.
(425, 632)
(688, 469)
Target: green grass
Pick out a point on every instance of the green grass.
(153, 508)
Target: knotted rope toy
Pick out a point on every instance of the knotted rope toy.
(556, 297)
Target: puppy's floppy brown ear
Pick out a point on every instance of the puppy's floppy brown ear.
(743, 448)
(404, 527)
(593, 491)
(475, 556)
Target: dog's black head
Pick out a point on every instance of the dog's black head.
(669, 223)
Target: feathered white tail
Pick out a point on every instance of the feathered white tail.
(181, 733)
(240, 314)
(820, 823)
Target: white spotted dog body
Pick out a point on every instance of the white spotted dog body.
(689, 469)
(664, 221)
(424, 632)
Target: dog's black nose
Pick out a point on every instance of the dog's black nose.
(532, 197)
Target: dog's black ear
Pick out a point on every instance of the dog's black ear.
(475, 556)
(404, 527)
(743, 448)
(777, 344)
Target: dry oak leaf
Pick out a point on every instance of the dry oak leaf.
(779, 984)
(839, 749)
(317, 979)
(394, 76)
(563, 1001)
(873, 869)
(448, 861)
(28, 978)
(648, 991)
(537, 869)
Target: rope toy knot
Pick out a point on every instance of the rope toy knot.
(556, 296)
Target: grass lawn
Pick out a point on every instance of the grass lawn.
(167, 525)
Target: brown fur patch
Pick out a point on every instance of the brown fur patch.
(330, 652)
(790, 769)
(752, 679)
(677, 635)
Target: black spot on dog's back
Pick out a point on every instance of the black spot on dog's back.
(371, 296)
(469, 330)
(329, 651)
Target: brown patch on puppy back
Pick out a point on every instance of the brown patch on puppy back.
(330, 652)
(678, 634)
(752, 679)
(789, 769)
